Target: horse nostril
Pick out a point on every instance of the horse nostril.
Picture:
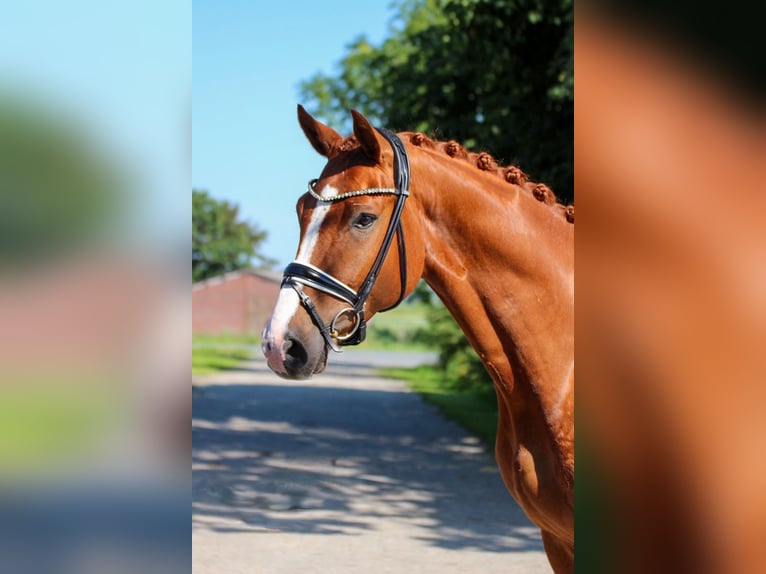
(296, 355)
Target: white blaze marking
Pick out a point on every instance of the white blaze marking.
(287, 304)
(312, 233)
(288, 301)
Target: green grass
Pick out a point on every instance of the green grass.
(394, 329)
(214, 353)
(475, 411)
(211, 359)
(47, 424)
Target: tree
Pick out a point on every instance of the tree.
(496, 75)
(221, 242)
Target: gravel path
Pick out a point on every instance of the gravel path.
(345, 473)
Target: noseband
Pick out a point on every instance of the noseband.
(297, 274)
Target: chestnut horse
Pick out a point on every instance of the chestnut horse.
(497, 249)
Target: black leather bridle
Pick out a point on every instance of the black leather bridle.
(297, 274)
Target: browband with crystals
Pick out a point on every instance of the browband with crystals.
(368, 191)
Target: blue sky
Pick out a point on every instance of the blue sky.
(248, 60)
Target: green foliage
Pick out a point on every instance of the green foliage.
(221, 242)
(396, 329)
(460, 366)
(422, 294)
(495, 75)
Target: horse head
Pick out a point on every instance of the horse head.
(344, 271)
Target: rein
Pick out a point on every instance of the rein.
(298, 274)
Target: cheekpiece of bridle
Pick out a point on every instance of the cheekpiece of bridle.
(349, 327)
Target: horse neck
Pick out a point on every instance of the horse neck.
(502, 263)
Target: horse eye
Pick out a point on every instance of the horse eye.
(364, 220)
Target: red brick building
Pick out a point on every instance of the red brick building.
(237, 302)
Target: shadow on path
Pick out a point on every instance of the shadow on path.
(344, 454)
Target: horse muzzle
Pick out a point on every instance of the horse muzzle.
(292, 357)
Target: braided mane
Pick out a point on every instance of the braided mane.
(485, 162)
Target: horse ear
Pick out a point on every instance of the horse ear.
(321, 137)
(366, 136)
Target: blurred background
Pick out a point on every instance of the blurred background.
(671, 292)
(95, 110)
